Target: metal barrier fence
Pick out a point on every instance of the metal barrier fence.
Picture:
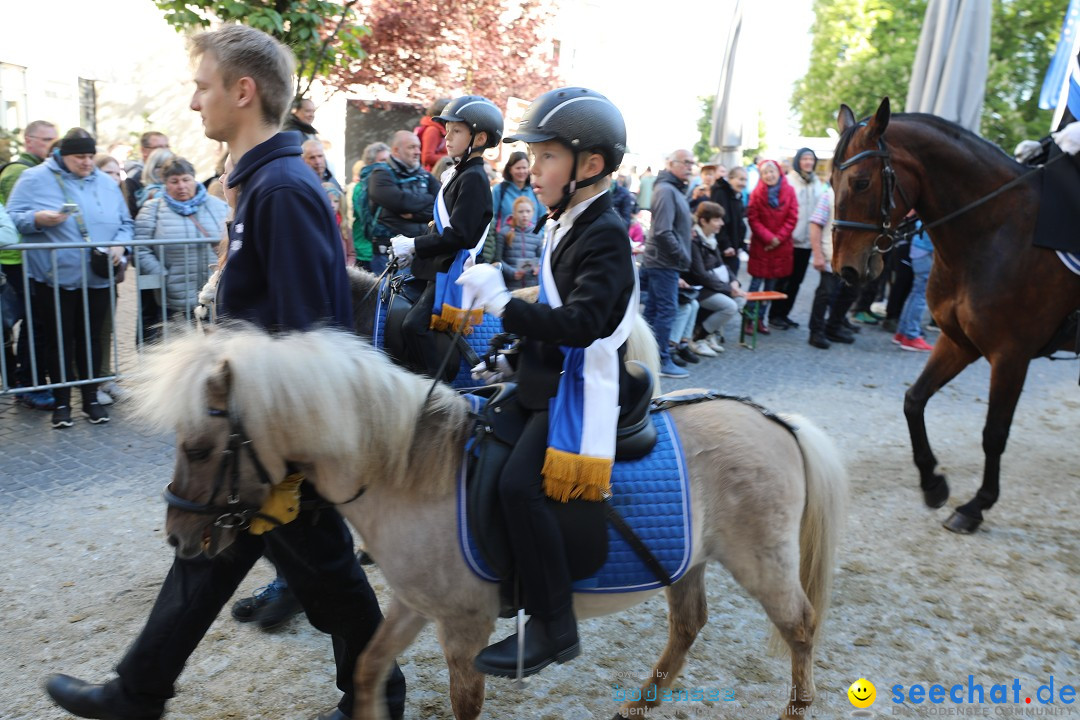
(127, 326)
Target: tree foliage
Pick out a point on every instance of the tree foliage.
(705, 152)
(863, 50)
(323, 34)
(425, 49)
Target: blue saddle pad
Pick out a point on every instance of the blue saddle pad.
(479, 339)
(653, 496)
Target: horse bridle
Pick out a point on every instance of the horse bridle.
(889, 186)
(233, 515)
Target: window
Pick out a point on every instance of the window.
(12, 97)
(87, 106)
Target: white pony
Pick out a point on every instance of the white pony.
(767, 502)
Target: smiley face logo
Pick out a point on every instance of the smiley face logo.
(862, 693)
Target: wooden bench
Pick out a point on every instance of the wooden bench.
(750, 314)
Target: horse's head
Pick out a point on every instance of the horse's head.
(221, 478)
(864, 184)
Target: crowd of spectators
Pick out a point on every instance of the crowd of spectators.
(692, 228)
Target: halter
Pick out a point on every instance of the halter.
(236, 515)
(233, 515)
(889, 185)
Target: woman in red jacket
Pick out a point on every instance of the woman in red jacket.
(772, 215)
(432, 135)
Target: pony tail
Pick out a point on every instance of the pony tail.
(509, 235)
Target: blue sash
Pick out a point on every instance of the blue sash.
(454, 306)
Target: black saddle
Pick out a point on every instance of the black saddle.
(399, 296)
(499, 425)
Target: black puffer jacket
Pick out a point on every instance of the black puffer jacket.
(733, 233)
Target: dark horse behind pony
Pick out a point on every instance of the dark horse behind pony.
(991, 291)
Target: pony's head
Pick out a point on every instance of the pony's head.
(248, 407)
(864, 184)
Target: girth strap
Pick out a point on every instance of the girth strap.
(635, 544)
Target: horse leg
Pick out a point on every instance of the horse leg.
(398, 629)
(687, 613)
(1006, 381)
(945, 363)
(462, 638)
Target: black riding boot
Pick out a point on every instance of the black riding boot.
(546, 641)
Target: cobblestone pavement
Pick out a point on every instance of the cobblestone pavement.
(84, 551)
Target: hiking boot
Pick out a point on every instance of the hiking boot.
(95, 413)
(103, 702)
(545, 642)
(671, 370)
(280, 609)
(61, 417)
(251, 608)
(915, 344)
(37, 400)
(818, 340)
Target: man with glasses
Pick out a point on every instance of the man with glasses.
(667, 253)
(37, 138)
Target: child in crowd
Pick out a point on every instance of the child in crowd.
(518, 248)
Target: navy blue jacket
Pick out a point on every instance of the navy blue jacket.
(286, 267)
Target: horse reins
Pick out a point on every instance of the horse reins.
(890, 184)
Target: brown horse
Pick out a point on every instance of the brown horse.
(992, 293)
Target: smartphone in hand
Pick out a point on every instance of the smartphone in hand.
(69, 208)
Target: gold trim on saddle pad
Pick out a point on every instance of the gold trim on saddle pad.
(568, 476)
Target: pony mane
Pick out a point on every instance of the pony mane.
(324, 393)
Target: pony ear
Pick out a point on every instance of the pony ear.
(845, 118)
(218, 385)
(881, 118)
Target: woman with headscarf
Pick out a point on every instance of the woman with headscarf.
(183, 211)
(772, 215)
(808, 188)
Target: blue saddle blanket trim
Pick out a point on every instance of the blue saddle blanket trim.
(653, 496)
(479, 339)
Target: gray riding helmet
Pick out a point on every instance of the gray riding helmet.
(581, 119)
(479, 113)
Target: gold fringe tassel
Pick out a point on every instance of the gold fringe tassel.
(452, 319)
(568, 476)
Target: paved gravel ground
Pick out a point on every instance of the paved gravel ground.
(912, 603)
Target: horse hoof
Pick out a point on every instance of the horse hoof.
(961, 524)
(937, 495)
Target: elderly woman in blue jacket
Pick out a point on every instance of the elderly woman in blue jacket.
(66, 199)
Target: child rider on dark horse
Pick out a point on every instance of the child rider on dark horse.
(462, 215)
(570, 375)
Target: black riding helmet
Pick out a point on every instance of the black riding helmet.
(584, 121)
(480, 114)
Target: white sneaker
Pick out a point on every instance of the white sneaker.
(117, 391)
(713, 341)
(103, 398)
(701, 348)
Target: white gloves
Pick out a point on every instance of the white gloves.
(1068, 139)
(501, 372)
(482, 286)
(404, 248)
(1026, 150)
